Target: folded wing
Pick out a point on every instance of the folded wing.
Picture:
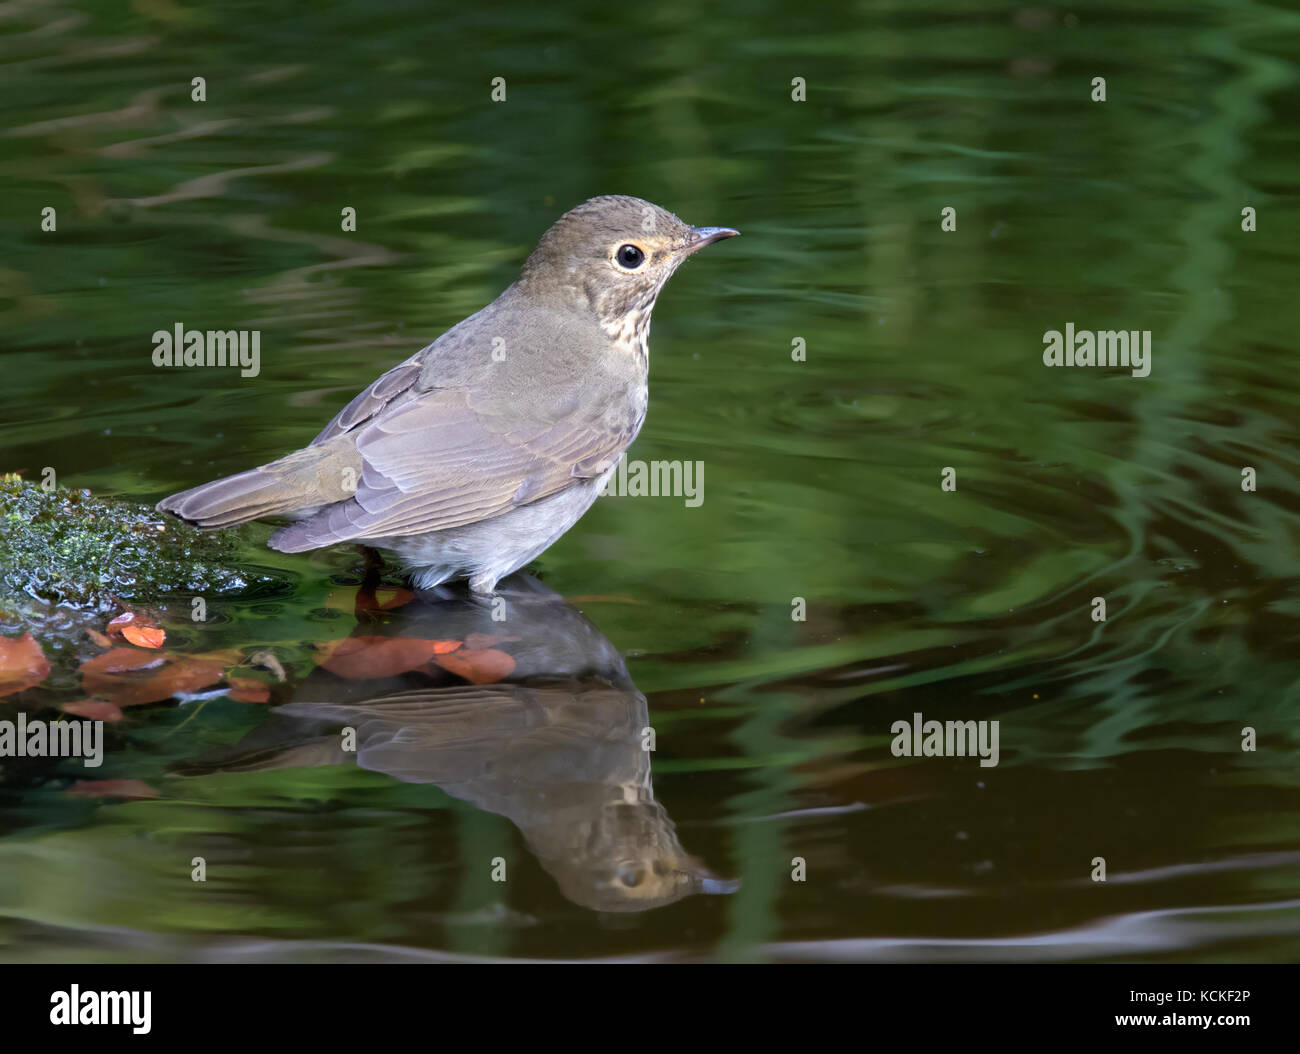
(442, 461)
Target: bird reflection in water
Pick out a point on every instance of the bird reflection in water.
(556, 747)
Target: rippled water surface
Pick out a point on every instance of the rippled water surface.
(1119, 739)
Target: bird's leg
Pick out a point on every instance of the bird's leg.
(366, 601)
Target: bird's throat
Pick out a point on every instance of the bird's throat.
(631, 333)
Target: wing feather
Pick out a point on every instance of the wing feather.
(439, 462)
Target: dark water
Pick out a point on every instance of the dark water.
(1119, 739)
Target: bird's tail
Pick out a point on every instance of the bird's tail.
(300, 482)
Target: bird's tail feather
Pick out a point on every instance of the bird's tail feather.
(235, 499)
(298, 483)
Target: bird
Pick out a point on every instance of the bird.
(472, 457)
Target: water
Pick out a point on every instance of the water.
(1120, 740)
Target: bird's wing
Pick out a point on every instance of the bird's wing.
(443, 460)
(401, 378)
(457, 733)
(455, 360)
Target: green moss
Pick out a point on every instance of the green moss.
(70, 549)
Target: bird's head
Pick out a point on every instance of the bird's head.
(613, 254)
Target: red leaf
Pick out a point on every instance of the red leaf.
(370, 657)
(248, 690)
(399, 597)
(129, 620)
(22, 664)
(129, 677)
(95, 709)
(144, 636)
(478, 667)
(366, 601)
(115, 625)
(127, 789)
(119, 660)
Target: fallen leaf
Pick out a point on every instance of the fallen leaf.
(99, 638)
(95, 709)
(126, 789)
(119, 660)
(248, 690)
(22, 664)
(398, 598)
(115, 625)
(384, 599)
(478, 667)
(144, 636)
(129, 677)
(371, 657)
(141, 630)
(118, 626)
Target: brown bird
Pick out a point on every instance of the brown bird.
(478, 452)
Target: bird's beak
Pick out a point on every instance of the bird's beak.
(705, 881)
(702, 236)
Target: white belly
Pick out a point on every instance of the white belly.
(487, 551)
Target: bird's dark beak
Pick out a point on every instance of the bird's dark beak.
(702, 236)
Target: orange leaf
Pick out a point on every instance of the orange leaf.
(248, 690)
(95, 709)
(99, 638)
(478, 667)
(384, 599)
(119, 660)
(144, 636)
(366, 601)
(129, 620)
(399, 597)
(129, 789)
(369, 657)
(22, 664)
(129, 677)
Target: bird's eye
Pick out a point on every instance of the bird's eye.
(630, 257)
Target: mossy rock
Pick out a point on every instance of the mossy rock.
(66, 549)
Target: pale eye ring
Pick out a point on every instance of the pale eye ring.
(629, 257)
